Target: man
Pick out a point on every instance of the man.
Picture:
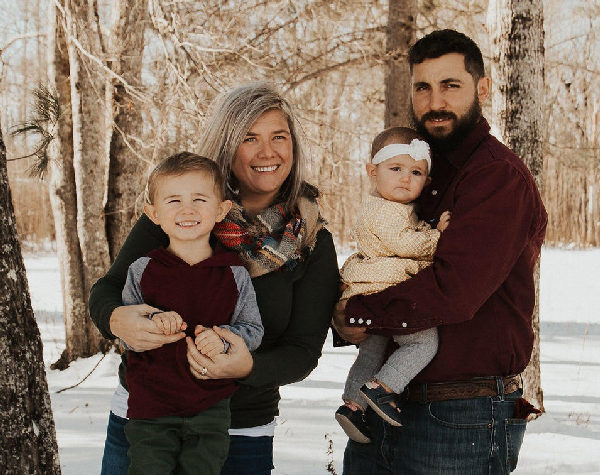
(462, 414)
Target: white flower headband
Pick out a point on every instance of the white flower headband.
(417, 149)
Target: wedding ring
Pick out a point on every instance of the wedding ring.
(204, 371)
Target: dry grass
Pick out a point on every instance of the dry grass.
(33, 212)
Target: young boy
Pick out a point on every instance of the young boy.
(393, 245)
(178, 423)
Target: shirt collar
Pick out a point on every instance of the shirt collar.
(461, 154)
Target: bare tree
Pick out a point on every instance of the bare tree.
(517, 33)
(63, 197)
(91, 132)
(400, 34)
(26, 424)
(126, 155)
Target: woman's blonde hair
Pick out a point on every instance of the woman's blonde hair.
(232, 115)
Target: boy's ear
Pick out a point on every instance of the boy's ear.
(150, 211)
(427, 180)
(371, 170)
(224, 208)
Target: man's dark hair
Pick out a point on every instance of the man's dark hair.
(441, 42)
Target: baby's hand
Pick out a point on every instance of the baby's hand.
(444, 221)
(209, 343)
(169, 323)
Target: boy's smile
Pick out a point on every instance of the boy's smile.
(187, 207)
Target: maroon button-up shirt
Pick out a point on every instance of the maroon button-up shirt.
(479, 291)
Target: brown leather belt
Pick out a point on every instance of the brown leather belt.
(478, 387)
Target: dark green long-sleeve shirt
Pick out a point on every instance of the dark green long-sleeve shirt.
(295, 307)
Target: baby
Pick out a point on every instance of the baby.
(393, 245)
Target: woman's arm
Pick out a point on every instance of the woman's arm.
(297, 350)
(128, 323)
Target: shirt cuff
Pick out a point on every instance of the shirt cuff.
(357, 315)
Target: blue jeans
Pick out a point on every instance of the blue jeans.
(115, 460)
(467, 437)
(247, 455)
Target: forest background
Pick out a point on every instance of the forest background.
(126, 83)
(329, 59)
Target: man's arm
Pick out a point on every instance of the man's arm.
(492, 221)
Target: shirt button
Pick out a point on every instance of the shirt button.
(360, 320)
(434, 192)
(413, 305)
(352, 320)
(368, 322)
(404, 325)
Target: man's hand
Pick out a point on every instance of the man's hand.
(168, 323)
(208, 342)
(236, 363)
(131, 324)
(351, 334)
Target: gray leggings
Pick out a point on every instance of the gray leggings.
(415, 352)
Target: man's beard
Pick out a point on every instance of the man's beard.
(462, 126)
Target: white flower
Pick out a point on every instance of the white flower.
(419, 150)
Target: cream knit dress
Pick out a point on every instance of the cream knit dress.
(393, 245)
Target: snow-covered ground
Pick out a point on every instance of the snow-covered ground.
(566, 440)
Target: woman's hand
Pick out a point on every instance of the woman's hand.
(236, 363)
(130, 323)
(351, 334)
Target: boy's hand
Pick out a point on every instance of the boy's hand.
(444, 221)
(208, 342)
(168, 323)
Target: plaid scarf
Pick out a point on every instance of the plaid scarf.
(276, 238)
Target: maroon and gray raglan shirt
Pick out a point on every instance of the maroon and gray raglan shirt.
(216, 291)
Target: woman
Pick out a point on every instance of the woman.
(276, 228)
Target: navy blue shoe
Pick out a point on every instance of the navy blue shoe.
(354, 424)
(380, 401)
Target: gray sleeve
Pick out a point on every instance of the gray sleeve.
(132, 292)
(246, 321)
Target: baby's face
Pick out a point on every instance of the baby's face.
(400, 178)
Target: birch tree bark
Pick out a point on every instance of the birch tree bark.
(517, 34)
(63, 197)
(125, 162)
(26, 424)
(90, 144)
(400, 34)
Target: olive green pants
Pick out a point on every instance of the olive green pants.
(183, 445)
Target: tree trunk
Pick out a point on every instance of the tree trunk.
(517, 34)
(125, 167)
(400, 34)
(26, 425)
(63, 198)
(90, 145)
